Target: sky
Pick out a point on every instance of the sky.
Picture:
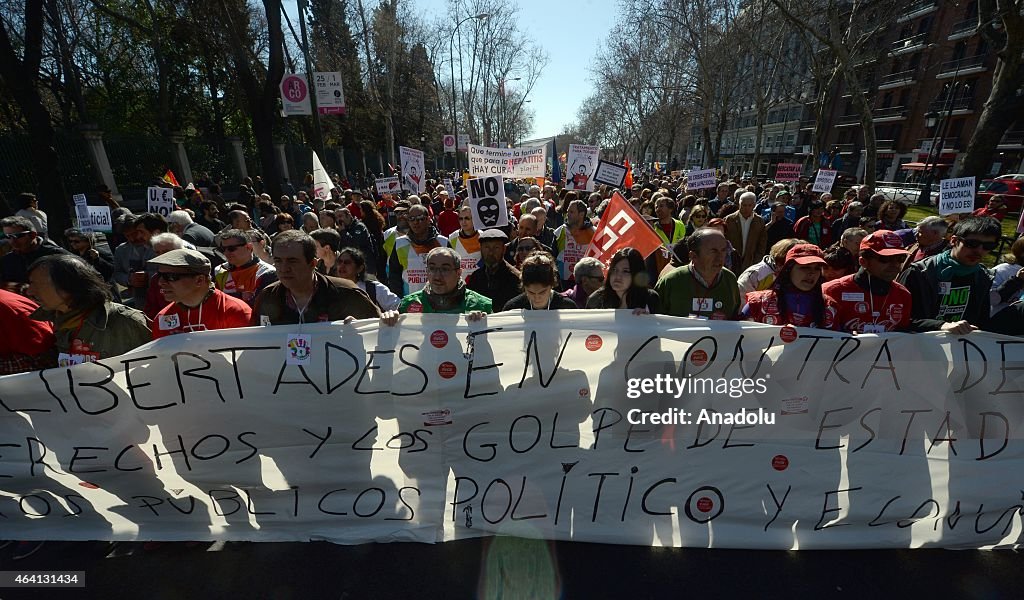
(570, 39)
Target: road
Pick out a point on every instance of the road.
(454, 570)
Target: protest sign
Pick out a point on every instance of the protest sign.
(592, 426)
(610, 174)
(82, 212)
(824, 181)
(580, 165)
(449, 187)
(99, 219)
(788, 172)
(295, 95)
(413, 179)
(508, 162)
(700, 179)
(956, 195)
(160, 201)
(330, 96)
(622, 227)
(387, 185)
(487, 202)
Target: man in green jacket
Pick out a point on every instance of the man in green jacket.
(445, 292)
(703, 288)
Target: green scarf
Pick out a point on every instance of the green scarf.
(950, 268)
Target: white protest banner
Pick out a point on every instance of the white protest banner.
(413, 179)
(487, 202)
(82, 212)
(449, 187)
(160, 201)
(322, 183)
(330, 96)
(824, 181)
(609, 173)
(580, 167)
(700, 179)
(448, 141)
(80, 200)
(565, 425)
(463, 142)
(295, 95)
(788, 171)
(388, 185)
(99, 219)
(956, 196)
(524, 162)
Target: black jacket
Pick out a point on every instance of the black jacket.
(922, 279)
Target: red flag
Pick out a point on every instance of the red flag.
(628, 183)
(622, 227)
(171, 179)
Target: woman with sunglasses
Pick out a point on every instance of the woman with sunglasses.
(626, 285)
(539, 276)
(697, 218)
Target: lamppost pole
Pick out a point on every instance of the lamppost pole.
(451, 57)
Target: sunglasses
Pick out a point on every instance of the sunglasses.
(14, 236)
(174, 277)
(232, 247)
(975, 244)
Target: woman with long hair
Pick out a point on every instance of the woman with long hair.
(539, 276)
(375, 224)
(626, 285)
(351, 265)
(795, 298)
(697, 218)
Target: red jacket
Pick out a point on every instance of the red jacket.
(218, 311)
(763, 307)
(848, 305)
(803, 226)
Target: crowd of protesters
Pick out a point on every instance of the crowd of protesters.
(745, 250)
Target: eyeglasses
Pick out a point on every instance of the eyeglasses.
(20, 234)
(231, 248)
(445, 271)
(173, 277)
(975, 244)
(418, 219)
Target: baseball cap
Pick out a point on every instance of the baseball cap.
(805, 254)
(493, 234)
(883, 243)
(183, 258)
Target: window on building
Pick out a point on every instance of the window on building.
(887, 100)
(960, 50)
(905, 97)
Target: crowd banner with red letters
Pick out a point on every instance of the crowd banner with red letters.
(511, 163)
(622, 227)
(596, 426)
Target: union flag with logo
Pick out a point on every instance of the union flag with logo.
(622, 227)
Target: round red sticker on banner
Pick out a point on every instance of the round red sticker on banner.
(780, 462)
(704, 504)
(788, 334)
(699, 358)
(594, 342)
(439, 339)
(446, 369)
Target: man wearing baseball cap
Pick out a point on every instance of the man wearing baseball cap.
(195, 304)
(870, 300)
(795, 297)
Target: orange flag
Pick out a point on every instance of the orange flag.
(628, 183)
(171, 179)
(622, 227)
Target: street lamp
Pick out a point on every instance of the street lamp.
(451, 57)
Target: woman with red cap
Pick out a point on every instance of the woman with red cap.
(795, 297)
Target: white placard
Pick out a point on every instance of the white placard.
(507, 162)
(160, 201)
(487, 202)
(580, 164)
(701, 179)
(824, 181)
(388, 185)
(330, 96)
(413, 178)
(97, 219)
(463, 142)
(956, 196)
(609, 173)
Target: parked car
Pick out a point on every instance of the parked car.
(1012, 186)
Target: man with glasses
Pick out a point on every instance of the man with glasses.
(407, 271)
(466, 241)
(952, 287)
(444, 291)
(244, 275)
(195, 304)
(27, 246)
(870, 300)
